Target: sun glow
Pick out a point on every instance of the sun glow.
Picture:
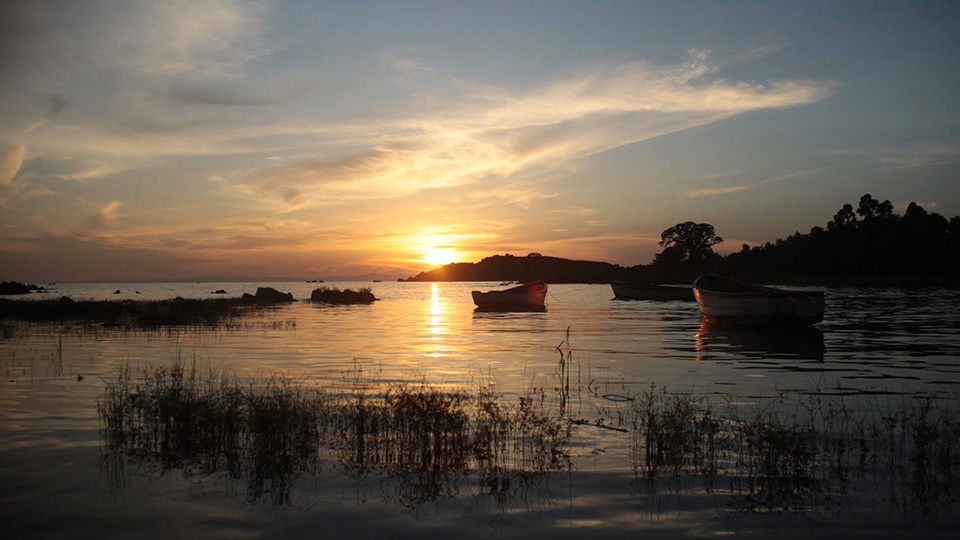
(439, 256)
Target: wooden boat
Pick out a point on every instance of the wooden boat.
(624, 290)
(528, 295)
(737, 301)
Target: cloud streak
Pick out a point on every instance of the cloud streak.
(491, 135)
(709, 192)
(11, 159)
(13, 154)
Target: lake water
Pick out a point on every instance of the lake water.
(874, 344)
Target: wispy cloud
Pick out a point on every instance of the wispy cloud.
(722, 174)
(924, 156)
(709, 192)
(493, 135)
(576, 211)
(11, 159)
(908, 157)
(106, 215)
(759, 51)
(13, 153)
(786, 177)
(92, 169)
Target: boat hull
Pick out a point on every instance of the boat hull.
(745, 303)
(529, 295)
(633, 291)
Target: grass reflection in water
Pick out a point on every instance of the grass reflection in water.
(819, 454)
(424, 444)
(424, 439)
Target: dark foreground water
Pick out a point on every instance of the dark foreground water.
(877, 349)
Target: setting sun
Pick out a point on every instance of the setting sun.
(439, 256)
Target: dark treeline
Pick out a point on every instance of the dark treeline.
(869, 244)
(869, 241)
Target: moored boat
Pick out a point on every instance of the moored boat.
(624, 290)
(528, 295)
(738, 301)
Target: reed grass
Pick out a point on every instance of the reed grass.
(271, 431)
(772, 456)
(778, 456)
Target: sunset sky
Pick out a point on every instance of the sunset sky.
(209, 139)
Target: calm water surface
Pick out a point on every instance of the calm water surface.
(873, 342)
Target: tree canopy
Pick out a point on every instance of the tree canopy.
(688, 241)
(868, 240)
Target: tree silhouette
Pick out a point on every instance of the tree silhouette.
(880, 243)
(689, 241)
(845, 218)
(870, 208)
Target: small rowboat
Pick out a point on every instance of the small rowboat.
(624, 290)
(528, 295)
(737, 301)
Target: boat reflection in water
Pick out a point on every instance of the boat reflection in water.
(716, 339)
(509, 309)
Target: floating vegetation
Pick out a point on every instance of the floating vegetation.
(347, 296)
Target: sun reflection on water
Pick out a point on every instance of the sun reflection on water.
(438, 327)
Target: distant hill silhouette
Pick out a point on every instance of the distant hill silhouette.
(529, 268)
(869, 245)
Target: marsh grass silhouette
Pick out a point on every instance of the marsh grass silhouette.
(779, 457)
(327, 295)
(422, 444)
(272, 431)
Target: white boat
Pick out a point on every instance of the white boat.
(528, 295)
(737, 301)
(624, 290)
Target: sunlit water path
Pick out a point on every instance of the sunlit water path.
(888, 344)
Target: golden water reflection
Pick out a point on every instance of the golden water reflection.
(438, 325)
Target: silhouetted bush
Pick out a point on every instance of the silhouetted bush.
(347, 296)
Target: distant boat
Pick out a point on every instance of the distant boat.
(624, 290)
(528, 295)
(737, 301)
